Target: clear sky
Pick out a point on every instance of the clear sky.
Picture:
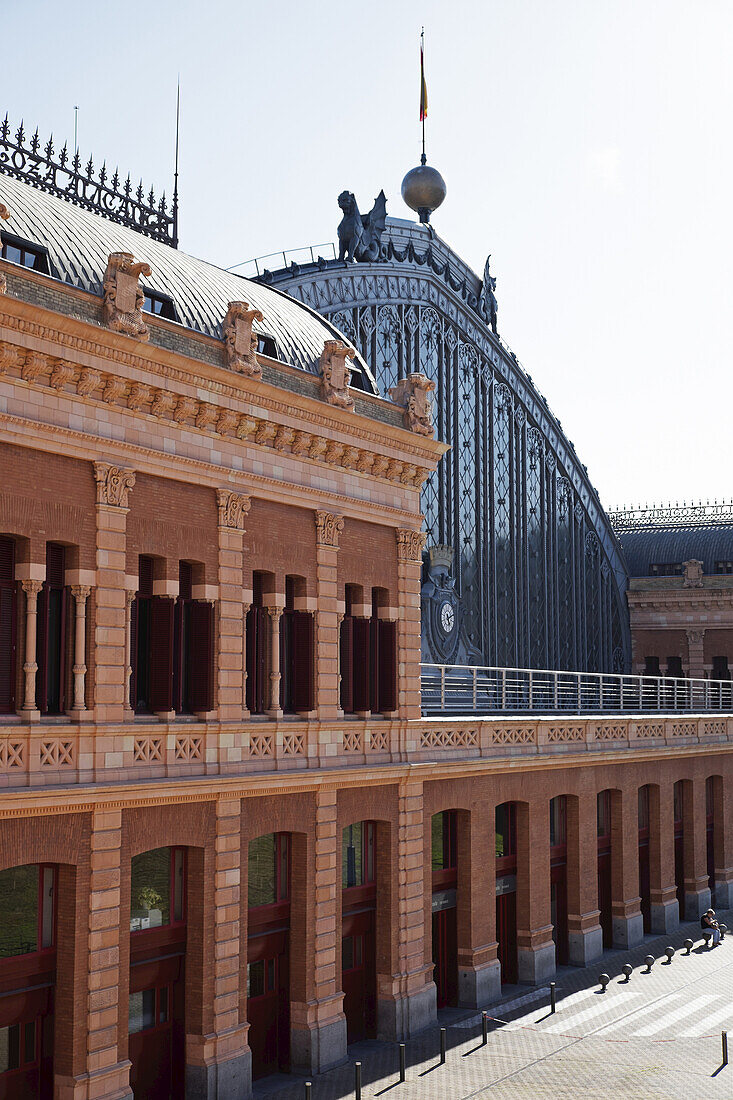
(586, 145)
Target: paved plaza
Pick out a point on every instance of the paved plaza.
(655, 1036)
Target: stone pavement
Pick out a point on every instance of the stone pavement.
(656, 1037)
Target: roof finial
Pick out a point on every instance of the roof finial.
(175, 173)
(423, 188)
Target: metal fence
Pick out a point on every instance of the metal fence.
(475, 689)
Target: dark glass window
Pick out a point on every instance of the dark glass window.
(357, 854)
(267, 346)
(257, 635)
(720, 669)
(18, 1046)
(27, 909)
(443, 840)
(643, 807)
(674, 666)
(148, 1008)
(159, 305)
(651, 666)
(352, 952)
(558, 820)
(268, 877)
(193, 648)
(665, 569)
(506, 829)
(53, 610)
(261, 977)
(603, 812)
(724, 567)
(296, 653)
(678, 801)
(157, 888)
(24, 253)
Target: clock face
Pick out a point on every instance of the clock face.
(447, 616)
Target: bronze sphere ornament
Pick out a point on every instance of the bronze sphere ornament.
(423, 190)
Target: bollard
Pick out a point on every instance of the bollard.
(604, 980)
(628, 971)
(669, 952)
(649, 960)
(307, 1090)
(484, 1029)
(442, 1046)
(723, 930)
(402, 1061)
(357, 1080)
(552, 996)
(724, 1037)
(688, 945)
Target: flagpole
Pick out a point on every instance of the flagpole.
(422, 85)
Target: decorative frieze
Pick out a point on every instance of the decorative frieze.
(328, 528)
(123, 295)
(409, 545)
(240, 339)
(113, 484)
(233, 508)
(336, 374)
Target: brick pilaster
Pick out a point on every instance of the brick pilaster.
(723, 841)
(409, 571)
(318, 1023)
(697, 890)
(328, 704)
(665, 915)
(628, 923)
(535, 946)
(479, 972)
(233, 509)
(113, 486)
(585, 936)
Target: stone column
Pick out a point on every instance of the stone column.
(723, 841)
(30, 667)
(317, 1020)
(327, 695)
(585, 935)
(665, 915)
(275, 709)
(129, 599)
(218, 1061)
(479, 971)
(627, 919)
(406, 994)
(246, 605)
(535, 946)
(233, 510)
(697, 890)
(110, 628)
(409, 568)
(695, 651)
(81, 593)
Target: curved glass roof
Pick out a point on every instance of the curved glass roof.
(674, 545)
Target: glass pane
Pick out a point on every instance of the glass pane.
(49, 883)
(347, 953)
(261, 875)
(284, 844)
(13, 253)
(352, 872)
(29, 1042)
(142, 1011)
(270, 975)
(150, 889)
(178, 884)
(9, 1048)
(436, 842)
(256, 978)
(163, 1005)
(19, 910)
(502, 830)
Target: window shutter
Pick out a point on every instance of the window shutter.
(302, 658)
(7, 648)
(42, 650)
(374, 664)
(201, 657)
(161, 654)
(346, 642)
(133, 654)
(361, 665)
(256, 659)
(7, 561)
(387, 665)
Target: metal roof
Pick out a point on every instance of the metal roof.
(78, 243)
(673, 545)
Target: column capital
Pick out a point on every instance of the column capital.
(81, 592)
(113, 484)
(409, 544)
(31, 588)
(329, 526)
(233, 508)
(695, 637)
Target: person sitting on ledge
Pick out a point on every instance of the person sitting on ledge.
(708, 921)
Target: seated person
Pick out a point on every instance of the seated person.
(708, 921)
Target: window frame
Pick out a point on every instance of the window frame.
(173, 922)
(31, 248)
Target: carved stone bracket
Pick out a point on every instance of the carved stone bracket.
(113, 484)
(692, 574)
(123, 295)
(413, 395)
(328, 528)
(336, 374)
(233, 508)
(241, 339)
(409, 544)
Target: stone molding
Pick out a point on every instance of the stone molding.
(212, 418)
(410, 545)
(233, 508)
(123, 295)
(336, 374)
(113, 484)
(240, 339)
(328, 528)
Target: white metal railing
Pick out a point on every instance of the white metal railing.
(476, 689)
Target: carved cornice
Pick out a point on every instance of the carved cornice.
(113, 484)
(328, 528)
(233, 508)
(410, 545)
(207, 416)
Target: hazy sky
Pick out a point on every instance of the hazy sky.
(586, 145)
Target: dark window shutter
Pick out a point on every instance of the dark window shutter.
(42, 650)
(54, 565)
(287, 661)
(133, 654)
(387, 665)
(374, 664)
(7, 561)
(201, 657)
(7, 647)
(361, 677)
(256, 659)
(302, 661)
(346, 642)
(161, 654)
(145, 578)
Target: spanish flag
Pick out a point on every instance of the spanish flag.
(423, 85)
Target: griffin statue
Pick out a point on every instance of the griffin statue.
(360, 234)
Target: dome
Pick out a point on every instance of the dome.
(423, 189)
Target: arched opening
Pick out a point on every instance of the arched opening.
(605, 889)
(444, 862)
(710, 823)
(268, 952)
(156, 1008)
(559, 877)
(644, 867)
(506, 890)
(679, 845)
(28, 919)
(358, 929)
